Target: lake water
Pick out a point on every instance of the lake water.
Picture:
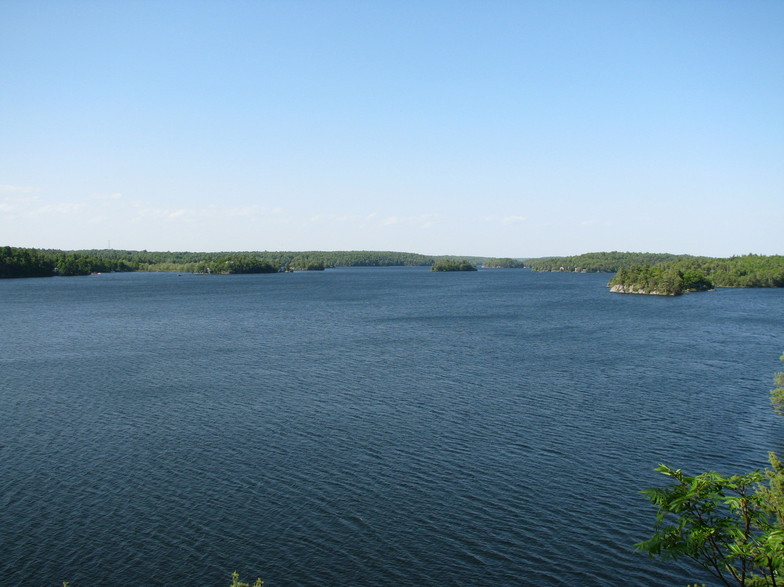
(365, 426)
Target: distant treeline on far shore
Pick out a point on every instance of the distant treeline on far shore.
(740, 271)
(25, 262)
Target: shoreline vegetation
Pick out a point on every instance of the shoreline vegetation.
(639, 273)
(671, 275)
(700, 274)
(25, 262)
(452, 265)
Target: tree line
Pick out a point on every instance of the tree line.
(645, 271)
(21, 262)
(700, 274)
(26, 262)
(600, 262)
(502, 263)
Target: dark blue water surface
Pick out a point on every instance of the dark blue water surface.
(365, 426)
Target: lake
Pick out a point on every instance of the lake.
(366, 426)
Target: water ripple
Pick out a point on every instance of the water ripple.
(364, 427)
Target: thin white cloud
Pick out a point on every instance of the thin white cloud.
(22, 204)
(62, 208)
(506, 220)
(594, 222)
(344, 218)
(428, 220)
(32, 207)
(115, 196)
(18, 202)
(247, 211)
(166, 214)
(337, 219)
(512, 219)
(237, 213)
(150, 213)
(421, 221)
(17, 189)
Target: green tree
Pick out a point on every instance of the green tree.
(731, 526)
(695, 280)
(725, 524)
(235, 581)
(777, 393)
(773, 493)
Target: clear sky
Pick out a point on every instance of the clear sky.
(490, 128)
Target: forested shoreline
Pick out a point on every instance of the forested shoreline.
(27, 262)
(700, 274)
(503, 263)
(22, 262)
(666, 274)
(646, 273)
(609, 262)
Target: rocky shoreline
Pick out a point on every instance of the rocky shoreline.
(630, 289)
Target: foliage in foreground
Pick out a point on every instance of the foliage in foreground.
(731, 526)
(728, 525)
(777, 393)
(235, 581)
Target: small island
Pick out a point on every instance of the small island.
(452, 265)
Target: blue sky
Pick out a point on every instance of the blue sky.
(492, 128)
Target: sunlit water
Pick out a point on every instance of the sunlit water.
(364, 426)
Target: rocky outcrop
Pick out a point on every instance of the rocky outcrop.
(630, 289)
